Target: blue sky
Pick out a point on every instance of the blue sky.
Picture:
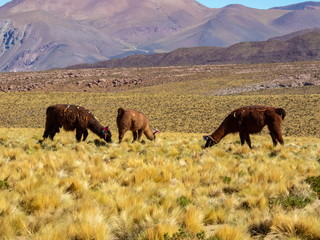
(3, 2)
(261, 4)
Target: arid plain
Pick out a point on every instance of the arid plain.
(171, 188)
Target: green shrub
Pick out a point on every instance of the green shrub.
(183, 201)
(314, 183)
(291, 201)
(225, 179)
(4, 184)
(183, 235)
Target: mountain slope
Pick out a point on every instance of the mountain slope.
(229, 25)
(301, 6)
(85, 30)
(44, 34)
(303, 47)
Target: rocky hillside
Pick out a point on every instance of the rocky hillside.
(44, 34)
(302, 46)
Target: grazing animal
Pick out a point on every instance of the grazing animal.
(71, 118)
(248, 120)
(135, 121)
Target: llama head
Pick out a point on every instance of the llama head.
(209, 140)
(107, 134)
(154, 132)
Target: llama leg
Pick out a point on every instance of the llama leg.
(280, 139)
(85, 135)
(54, 130)
(242, 137)
(248, 139)
(45, 134)
(274, 139)
(121, 135)
(52, 134)
(135, 135)
(278, 136)
(78, 134)
(275, 132)
(139, 134)
(51, 130)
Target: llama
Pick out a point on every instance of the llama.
(135, 121)
(248, 120)
(71, 118)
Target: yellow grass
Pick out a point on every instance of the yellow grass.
(169, 112)
(62, 189)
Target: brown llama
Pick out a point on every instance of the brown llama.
(135, 121)
(71, 118)
(248, 120)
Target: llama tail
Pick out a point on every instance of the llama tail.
(49, 109)
(281, 112)
(120, 112)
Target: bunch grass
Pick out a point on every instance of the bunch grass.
(63, 189)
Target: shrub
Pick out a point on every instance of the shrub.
(4, 184)
(225, 179)
(183, 201)
(314, 183)
(291, 201)
(183, 235)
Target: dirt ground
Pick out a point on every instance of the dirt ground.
(257, 77)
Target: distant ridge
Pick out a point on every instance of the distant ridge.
(44, 34)
(300, 6)
(293, 47)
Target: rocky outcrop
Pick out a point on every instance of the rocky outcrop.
(302, 80)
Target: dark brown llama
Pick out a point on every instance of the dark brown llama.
(71, 118)
(248, 120)
(135, 121)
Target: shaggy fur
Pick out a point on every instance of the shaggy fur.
(135, 121)
(72, 118)
(248, 120)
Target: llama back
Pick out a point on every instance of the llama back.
(281, 112)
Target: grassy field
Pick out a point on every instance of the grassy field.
(166, 111)
(171, 188)
(62, 189)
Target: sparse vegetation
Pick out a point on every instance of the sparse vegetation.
(171, 188)
(166, 93)
(65, 189)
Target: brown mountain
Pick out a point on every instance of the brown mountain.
(44, 34)
(301, 6)
(303, 47)
(41, 34)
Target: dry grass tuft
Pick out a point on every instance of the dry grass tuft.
(230, 233)
(62, 189)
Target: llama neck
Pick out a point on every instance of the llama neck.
(219, 133)
(148, 133)
(95, 127)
